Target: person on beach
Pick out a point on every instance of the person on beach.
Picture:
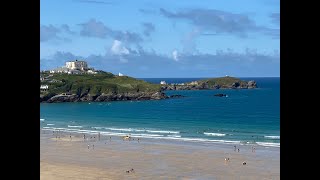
(84, 136)
(138, 140)
(226, 160)
(92, 146)
(88, 146)
(110, 138)
(238, 150)
(235, 147)
(99, 136)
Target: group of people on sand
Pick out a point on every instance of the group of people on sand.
(130, 171)
(129, 138)
(253, 149)
(227, 160)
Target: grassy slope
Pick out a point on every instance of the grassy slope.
(223, 81)
(97, 84)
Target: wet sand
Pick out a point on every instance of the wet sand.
(67, 158)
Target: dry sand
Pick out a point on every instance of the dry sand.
(151, 159)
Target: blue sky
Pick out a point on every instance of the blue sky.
(148, 38)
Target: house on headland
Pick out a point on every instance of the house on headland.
(163, 82)
(74, 67)
(77, 65)
(44, 87)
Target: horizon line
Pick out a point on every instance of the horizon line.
(216, 77)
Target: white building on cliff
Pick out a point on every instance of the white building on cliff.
(44, 87)
(74, 67)
(77, 65)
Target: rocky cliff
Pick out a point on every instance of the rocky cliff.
(104, 97)
(108, 87)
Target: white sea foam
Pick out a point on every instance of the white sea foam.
(50, 124)
(146, 135)
(143, 130)
(42, 119)
(164, 132)
(74, 126)
(120, 129)
(272, 137)
(268, 144)
(113, 134)
(158, 136)
(176, 136)
(214, 134)
(97, 127)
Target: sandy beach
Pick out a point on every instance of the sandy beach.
(115, 158)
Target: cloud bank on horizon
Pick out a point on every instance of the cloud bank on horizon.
(163, 38)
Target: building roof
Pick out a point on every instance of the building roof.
(76, 61)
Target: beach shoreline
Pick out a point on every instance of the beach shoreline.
(62, 156)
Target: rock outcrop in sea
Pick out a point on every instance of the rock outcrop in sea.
(205, 85)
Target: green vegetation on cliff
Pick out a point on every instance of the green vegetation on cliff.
(223, 81)
(94, 84)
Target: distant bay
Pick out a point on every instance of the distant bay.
(247, 116)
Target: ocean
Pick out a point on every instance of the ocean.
(246, 116)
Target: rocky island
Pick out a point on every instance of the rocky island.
(213, 83)
(104, 86)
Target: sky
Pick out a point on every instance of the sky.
(167, 38)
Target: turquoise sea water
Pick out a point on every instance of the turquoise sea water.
(246, 116)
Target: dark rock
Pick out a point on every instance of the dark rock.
(220, 95)
(252, 84)
(106, 97)
(235, 85)
(217, 86)
(63, 98)
(176, 96)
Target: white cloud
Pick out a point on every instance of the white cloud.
(123, 60)
(175, 55)
(118, 48)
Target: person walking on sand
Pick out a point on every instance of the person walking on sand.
(99, 136)
(235, 147)
(226, 160)
(92, 146)
(88, 146)
(238, 150)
